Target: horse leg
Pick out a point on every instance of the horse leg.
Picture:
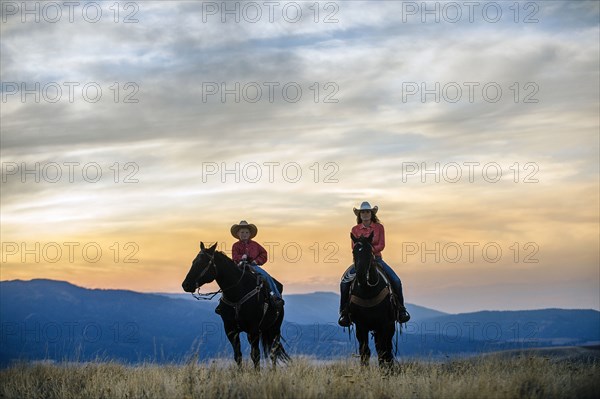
(362, 335)
(234, 338)
(383, 345)
(253, 339)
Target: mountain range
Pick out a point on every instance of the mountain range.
(58, 321)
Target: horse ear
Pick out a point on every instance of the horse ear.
(354, 239)
(212, 249)
(202, 246)
(371, 236)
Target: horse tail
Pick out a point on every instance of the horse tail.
(265, 342)
(272, 347)
(281, 354)
(278, 351)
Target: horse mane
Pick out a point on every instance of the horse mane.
(365, 256)
(362, 240)
(224, 256)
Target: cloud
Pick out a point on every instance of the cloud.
(197, 154)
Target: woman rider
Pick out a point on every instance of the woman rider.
(367, 222)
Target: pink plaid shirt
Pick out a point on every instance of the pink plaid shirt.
(253, 250)
(378, 236)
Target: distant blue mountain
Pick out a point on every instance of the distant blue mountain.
(551, 326)
(57, 320)
(45, 319)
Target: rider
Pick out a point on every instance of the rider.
(368, 222)
(248, 251)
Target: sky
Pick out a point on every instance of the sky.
(132, 131)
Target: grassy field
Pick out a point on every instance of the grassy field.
(492, 376)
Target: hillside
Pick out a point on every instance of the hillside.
(45, 319)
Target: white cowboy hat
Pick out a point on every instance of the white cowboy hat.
(365, 206)
(243, 225)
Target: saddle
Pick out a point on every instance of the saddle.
(270, 313)
(387, 290)
(248, 267)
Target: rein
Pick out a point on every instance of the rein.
(385, 291)
(235, 305)
(210, 295)
(238, 305)
(376, 273)
(371, 261)
(206, 296)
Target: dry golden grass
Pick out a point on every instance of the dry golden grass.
(484, 377)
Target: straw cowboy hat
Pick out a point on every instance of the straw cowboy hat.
(365, 206)
(243, 225)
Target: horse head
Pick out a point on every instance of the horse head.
(203, 269)
(362, 253)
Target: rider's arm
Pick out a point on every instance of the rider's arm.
(261, 258)
(378, 238)
(237, 251)
(356, 234)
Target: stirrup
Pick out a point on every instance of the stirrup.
(278, 302)
(344, 320)
(403, 315)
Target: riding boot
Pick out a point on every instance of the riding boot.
(344, 319)
(396, 285)
(403, 316)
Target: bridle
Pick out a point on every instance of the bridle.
(369, 266)
(210, 295)
(210, 263)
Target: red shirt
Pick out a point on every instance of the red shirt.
(378, 236)
(253, 250)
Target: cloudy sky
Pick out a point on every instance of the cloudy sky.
(132, 131)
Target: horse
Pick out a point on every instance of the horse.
(243, 306)
(371, 307)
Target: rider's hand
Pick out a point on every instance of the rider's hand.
(244, 257)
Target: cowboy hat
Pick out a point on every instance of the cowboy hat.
(365, 206)
(244, 225)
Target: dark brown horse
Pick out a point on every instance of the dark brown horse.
(370, 304)
(244, 306)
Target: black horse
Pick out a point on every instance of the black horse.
(371, 306)
(244, 304)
